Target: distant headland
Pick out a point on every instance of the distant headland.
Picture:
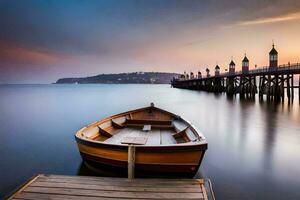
(123, 78)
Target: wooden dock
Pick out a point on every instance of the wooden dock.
(106, 188)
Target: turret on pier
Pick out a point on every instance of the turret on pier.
(207, 73)
(192, 75)
(245, 65)
(231, 67)
(273, 58)
(217, 70)
(199, 74)
(186, 76)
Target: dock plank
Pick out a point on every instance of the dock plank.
(35, 196)
(114, 188)
(119, 179)
(124, 184)
(114, 194)
(104, 188)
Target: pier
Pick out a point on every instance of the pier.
(106, 188)
(274, 81)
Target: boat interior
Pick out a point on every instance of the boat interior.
(149, 126)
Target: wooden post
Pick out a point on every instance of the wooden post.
(251, 86)
(222, 88)
(292, 81)
(269, 88)
(248, 88)
(131, 161)
(254, 87)
(235, 83)
(260, 94)
(242, 87)
(288, 87)
(282, 87)
(276, 92)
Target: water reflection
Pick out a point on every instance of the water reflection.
(251, 144)
(85, 170)
(270, 133)
(245, 105)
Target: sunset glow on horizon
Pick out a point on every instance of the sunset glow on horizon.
(41, 41)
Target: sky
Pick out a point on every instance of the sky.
(43, 40)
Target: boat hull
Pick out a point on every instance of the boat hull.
(179, 159)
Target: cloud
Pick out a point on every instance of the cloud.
(14, 53)
(268, 20)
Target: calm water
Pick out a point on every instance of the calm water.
(254, 148)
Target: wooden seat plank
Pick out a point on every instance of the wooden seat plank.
(116, 124)
(179, 125)
(104, 132)
(147, 127)
(148, 121)
(134, 140)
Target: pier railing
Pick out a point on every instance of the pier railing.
(286, 68)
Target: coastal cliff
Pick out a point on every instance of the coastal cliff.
(123, 78)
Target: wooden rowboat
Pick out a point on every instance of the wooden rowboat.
(163, 142)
